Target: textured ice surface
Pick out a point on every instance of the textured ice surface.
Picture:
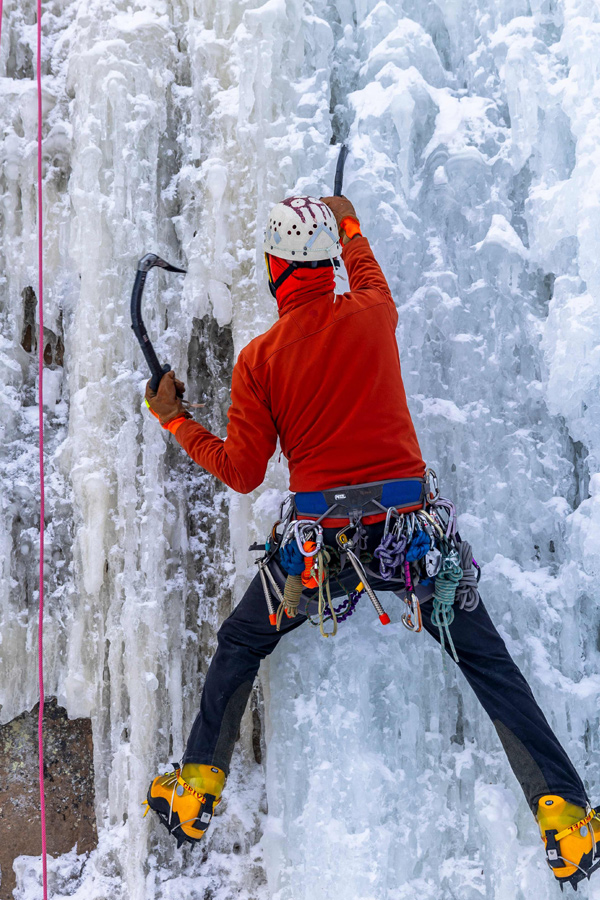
(474, 133)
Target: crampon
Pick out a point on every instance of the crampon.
(186, 806)
(572, 840)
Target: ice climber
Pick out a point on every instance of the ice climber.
(364, 515)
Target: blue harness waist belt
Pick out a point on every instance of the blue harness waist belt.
(368, 499)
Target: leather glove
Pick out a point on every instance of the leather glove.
(342, 209)
(166, 404)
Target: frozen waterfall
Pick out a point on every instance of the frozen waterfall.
(170, 127)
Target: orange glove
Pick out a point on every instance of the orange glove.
(343, 209)
(166, 404)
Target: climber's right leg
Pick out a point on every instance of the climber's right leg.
(186, 797)
(244, 639)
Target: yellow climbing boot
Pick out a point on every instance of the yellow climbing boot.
(185, 800)
(570, 834)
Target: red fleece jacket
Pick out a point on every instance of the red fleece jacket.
(326, 379)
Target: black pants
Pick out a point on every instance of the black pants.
(246, 637)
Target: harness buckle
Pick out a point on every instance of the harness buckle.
(555, 860)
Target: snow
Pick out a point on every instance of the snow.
(502, 234)
(474, 131)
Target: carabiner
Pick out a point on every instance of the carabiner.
(301, 537)
(431, 485)
(342, 540)
(411, 617)
(430, 520)
(410, 521)
(392, 511)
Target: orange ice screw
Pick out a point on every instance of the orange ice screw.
(308, 580)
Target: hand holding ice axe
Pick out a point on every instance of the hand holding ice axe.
(164, 396)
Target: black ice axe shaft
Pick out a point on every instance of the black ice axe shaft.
(339, 171)
(139, 329)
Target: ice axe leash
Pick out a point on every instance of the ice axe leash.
(146, 263)
(339, 171)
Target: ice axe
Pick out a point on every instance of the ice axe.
(146, 263)
(339, 171)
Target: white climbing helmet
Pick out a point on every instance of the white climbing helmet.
(302, 229)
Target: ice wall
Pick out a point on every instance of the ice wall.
(171, 127)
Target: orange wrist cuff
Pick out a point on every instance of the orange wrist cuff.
(175, 424)
(351, 226)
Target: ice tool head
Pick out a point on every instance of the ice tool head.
(302, 230)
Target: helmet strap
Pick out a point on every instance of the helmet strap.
(274, 285)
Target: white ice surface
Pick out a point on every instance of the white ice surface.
(474, 130)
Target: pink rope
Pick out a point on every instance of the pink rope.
(41, 446)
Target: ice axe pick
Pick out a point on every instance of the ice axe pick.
(146, 263)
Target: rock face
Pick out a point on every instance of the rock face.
(69, 783)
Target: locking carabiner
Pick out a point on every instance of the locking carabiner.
(303, 532)
(432, 490)
(411, 617)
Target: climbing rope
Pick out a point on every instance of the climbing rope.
(446, 583)
(390, 554)
(347, 606)
(419, 547)
(467, 595)
(41, 446)
(292, 594)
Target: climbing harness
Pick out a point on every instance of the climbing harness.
(420, 545)
(139, 329)
(310, 565)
